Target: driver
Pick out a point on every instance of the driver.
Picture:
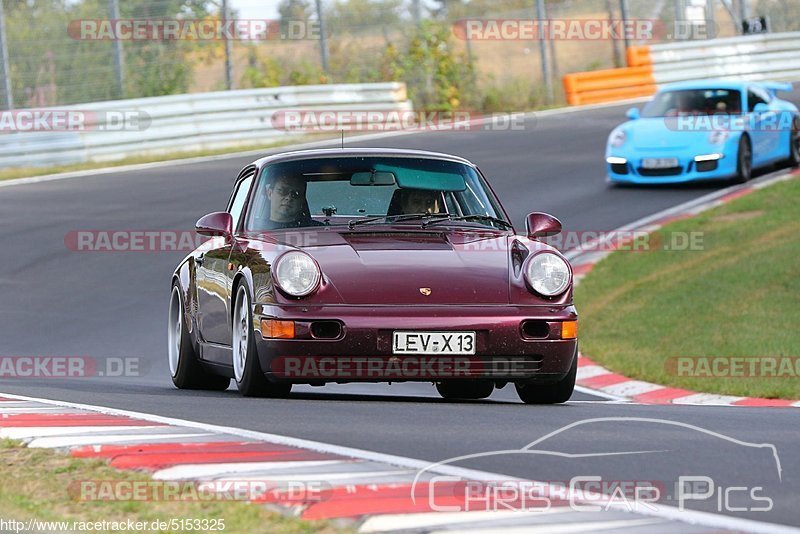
(420, 201)
(288, 207)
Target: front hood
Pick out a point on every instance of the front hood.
(399, 267)
(660, 133)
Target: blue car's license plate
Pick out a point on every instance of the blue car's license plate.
(659, 163)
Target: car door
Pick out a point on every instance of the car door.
(764, 130)
(213, 276)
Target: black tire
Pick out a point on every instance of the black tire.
(252, 383)
(561, 391)
(794, 144)
(744, 161)
(465, 389)
(187, 372)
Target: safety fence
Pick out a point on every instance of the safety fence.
(754, 57)
(113, 130)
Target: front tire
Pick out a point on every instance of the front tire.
(794, 144)
(186, 371)
(250, 380)
(561, 391)
(468, 389)
(744, 161)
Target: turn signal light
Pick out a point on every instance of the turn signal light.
(569, 330)
(272, 328)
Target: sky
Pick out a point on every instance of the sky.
(255, 9)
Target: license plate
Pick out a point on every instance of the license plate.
(433, 343)
(659, 163)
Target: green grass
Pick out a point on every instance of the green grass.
(42, 484)
(26, 172)
(737, 297)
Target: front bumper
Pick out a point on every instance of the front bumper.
(362, 350)
(688, 170)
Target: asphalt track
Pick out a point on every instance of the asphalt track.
(57, 302)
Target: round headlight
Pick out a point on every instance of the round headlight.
(297, 274)
(548, 274)
(617, 138)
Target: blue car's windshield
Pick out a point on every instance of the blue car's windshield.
(343, 190)
(694, 102)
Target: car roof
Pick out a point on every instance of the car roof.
(706, 84)
(358, 152)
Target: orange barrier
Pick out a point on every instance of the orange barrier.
(636, 56)
(608, 85)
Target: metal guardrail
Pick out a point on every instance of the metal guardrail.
(753, 57)
(189, 122)
(773, 56)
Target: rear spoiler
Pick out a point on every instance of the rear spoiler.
(774, 87)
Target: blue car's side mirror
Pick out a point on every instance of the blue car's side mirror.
(761, 107)
(633, 114)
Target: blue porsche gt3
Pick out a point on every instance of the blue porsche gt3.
(701, 130)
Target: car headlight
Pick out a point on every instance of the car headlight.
(297, 274)
(617, 138)
(548, 274)
(717, 137)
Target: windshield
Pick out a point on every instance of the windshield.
(694, 102)
(340, 191)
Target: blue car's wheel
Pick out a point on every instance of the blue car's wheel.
(794, 144)
(744, 161)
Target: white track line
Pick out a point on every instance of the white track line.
(390, 522)
(191, 471)
(77, 441)
(663, 511)
(23, 432)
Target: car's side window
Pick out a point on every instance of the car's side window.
(239, 199)
(752, 99)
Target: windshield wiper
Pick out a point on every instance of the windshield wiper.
(474, 217)
(395, 218)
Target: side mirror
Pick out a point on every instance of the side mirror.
(633, 114)
(542, 225)
(219, 223)
(761, 107)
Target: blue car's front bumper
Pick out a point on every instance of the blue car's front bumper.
(688, 170)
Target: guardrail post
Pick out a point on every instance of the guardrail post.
(228, 52)
(623, 8)
(119, 62)
(323, 41)
(548, 79)
(6, 66)
(711, 25)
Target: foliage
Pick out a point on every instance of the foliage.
(49, 66)
(438, 77)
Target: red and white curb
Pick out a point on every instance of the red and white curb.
(596, 379)
(370, 491)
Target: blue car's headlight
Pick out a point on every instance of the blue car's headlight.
(717, 137)
(617, 138)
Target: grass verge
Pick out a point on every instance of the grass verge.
(27, 172)
(41, 484)
(732, 302)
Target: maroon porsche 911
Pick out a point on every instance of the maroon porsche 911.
(372, 265)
